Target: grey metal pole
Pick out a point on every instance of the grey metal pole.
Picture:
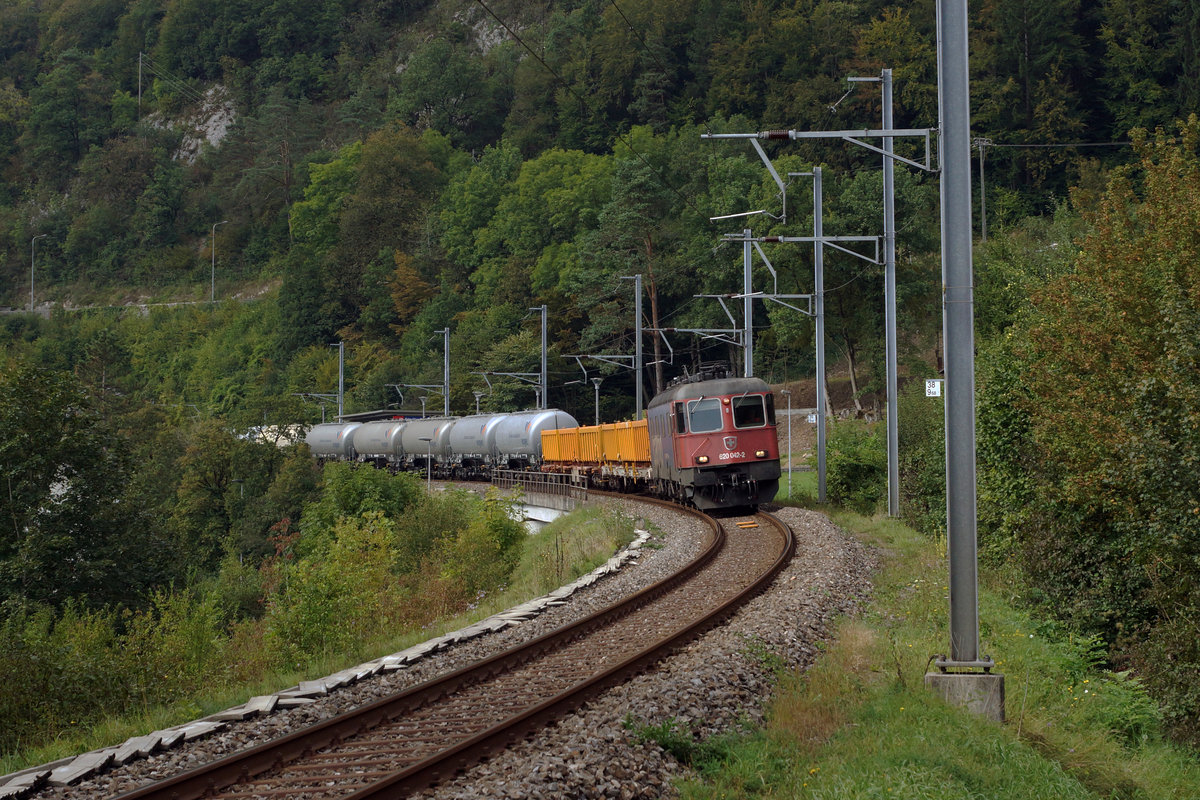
(747, 307)
(477, 396)
(32, 261)
(341, 346)
(596, 383)
(637, 337)
(428, 463)
(889, 291)
(957, 327)
(982, 143)
(545, 375)
(446, 372)
(212, 292)
(819, 291)
(787, 393)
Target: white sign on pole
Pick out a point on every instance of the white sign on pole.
(933, 388)
(812, 419)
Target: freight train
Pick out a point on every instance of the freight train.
(708, 441)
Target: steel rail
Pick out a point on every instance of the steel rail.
(248, 765)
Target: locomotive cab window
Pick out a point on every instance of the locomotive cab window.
(680, 419)
(704, 415)
(749, 411)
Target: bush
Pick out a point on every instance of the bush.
(351, 491)
(59, 671)
(176, 649)
(426, 527)
(63, 671)
(484, 555)
(332, 603)
(856, 472)
(922, 446)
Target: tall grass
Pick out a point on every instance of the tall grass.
(861, 724)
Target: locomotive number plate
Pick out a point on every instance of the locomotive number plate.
(729, 456)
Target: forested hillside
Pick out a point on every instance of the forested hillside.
(377, 172)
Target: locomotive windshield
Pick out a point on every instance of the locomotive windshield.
(749, 411)
(704, 415)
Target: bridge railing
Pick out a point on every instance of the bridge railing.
(544, 483)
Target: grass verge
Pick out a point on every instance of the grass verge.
(860, 723)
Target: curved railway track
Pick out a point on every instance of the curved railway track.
(431, 731)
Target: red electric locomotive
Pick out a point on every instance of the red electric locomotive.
(713, 442)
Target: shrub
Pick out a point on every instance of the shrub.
(176, 648)
(330, 604)
(485, 553)
(433, 520)
(856, 472)
(351, 492)
(58, 671)
(922, 451)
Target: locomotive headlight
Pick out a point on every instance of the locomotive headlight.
(701, 459)
(760, 453)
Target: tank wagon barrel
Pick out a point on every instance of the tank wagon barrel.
(331, 440)
(380, 441)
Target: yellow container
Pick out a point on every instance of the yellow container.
(558, 446)
(626, 442)
(611, 443)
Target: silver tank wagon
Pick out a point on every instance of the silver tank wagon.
(519, 435)
(436, 430)
(380, 440)
(332, 440)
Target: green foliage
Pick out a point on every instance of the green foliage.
(922, 452)
(328, 604)
(65, 670)
(350, 491)
(570, 546)
(856, 470)
(1089, 418)
(482, 557)
(434, 520)
(70, 530)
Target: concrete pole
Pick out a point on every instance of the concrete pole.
(889, 291)
(819, 291)
(747, 307)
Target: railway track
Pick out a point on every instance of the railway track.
(431, 731)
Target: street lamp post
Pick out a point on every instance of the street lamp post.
(32, 252)
(596, 383)
(212, 293)
(428, 464)
(787, 393)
